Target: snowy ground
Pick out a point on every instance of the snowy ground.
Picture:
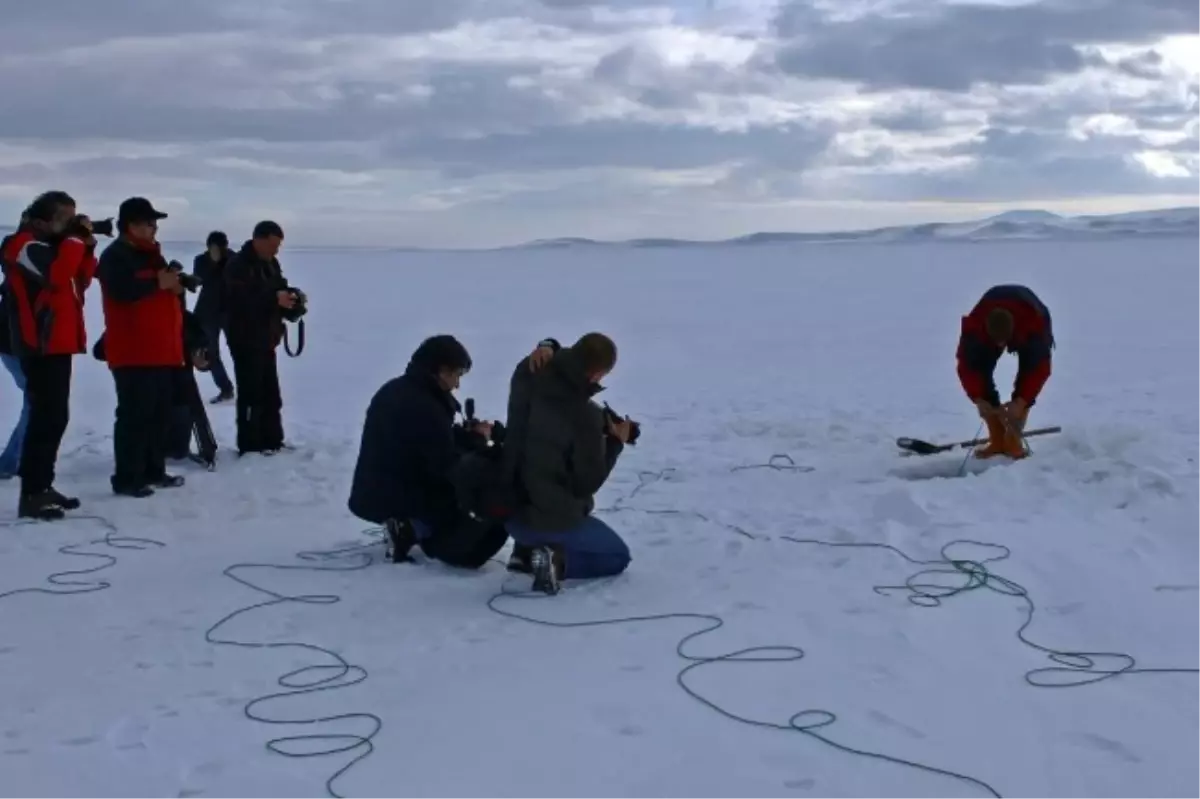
(824, 353)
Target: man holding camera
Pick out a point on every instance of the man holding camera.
(405, 476)
(257, 300)
(48, 265)
(563, 447)
(143, 318)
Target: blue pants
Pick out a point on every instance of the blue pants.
(212, 331)
(591, 549)
(10, 459)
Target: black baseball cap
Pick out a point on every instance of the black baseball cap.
(138, 209)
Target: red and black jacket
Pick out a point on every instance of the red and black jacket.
(1032, 340)
(46, 281)
(143, 324)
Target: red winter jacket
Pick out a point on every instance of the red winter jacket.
(1032, 341)
(46, 283)
(143, 323)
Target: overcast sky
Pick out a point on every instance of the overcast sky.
(483, 122)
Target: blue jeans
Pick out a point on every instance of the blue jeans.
(590, 549)
(10, 460)
(212, 331)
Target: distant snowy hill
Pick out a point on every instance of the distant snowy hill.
(1011, 225)
(1025, 225)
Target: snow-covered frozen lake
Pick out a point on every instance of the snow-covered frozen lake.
(728, 357)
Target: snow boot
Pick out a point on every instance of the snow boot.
(223, 397)
(399, 539)
(1014, 442)
(63, 501)
(519, 562)
(42, 506)
(547, 570)
(997, 438)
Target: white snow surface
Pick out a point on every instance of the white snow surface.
(727, 357)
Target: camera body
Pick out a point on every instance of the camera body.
(476, 442)
(187, 280)
(297, 311)
(635, 428)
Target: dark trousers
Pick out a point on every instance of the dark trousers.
(48, 392)
(259, 402)
(179, 434)
(468, 545)
(142, 424)
(212, 332)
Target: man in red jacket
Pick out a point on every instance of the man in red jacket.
(1010, 319)
(143, 321)
(48, 265)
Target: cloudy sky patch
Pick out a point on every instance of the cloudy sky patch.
(472, 123)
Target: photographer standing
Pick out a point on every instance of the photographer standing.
(209, 268)
(143, 319)
(48, 264)
(257, 296)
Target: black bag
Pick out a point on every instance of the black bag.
(482, 485)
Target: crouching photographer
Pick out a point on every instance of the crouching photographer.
(143, 345)
(419, 473)
(561, 448)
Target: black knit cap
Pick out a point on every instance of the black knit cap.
(441, 352)
(218, 238)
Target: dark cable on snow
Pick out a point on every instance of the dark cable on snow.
(336, 674)
(965, 575)
(923, 590)
(61, 581)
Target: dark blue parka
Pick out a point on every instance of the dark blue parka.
(409, 452)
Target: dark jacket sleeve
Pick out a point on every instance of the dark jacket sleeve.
(977, 367)
(200, 266)
(1033, 368)
(124, 277)
(590, 461)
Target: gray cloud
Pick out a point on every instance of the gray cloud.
(559, 107)
(957, 46)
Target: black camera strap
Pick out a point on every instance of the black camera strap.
(287, 346)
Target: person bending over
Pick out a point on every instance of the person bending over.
(1008, 318)
(408, 459)
(564, 451)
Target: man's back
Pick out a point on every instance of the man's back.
(566, 456)
(406, 453)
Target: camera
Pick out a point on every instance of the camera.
(475, 441)
(635, 429)
(297, 311)
(102, 227)
(188, 281)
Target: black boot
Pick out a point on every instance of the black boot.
(42, 506)
(519, 562)
(547, 571)
(65, 502)
(399, 539)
